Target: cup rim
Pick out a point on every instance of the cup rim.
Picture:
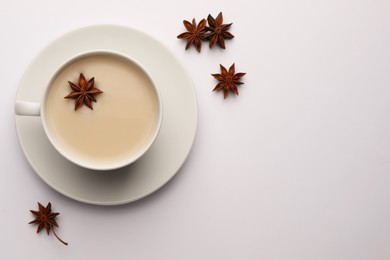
(93, 165)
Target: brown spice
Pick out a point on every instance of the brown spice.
(84, 92)
(45, 218)
(228, 80)
(218, 31)
(195, 33)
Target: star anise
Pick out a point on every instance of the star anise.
(195, 33)
(84, 92)
(228, 80)
(45, 218)
(218, 31)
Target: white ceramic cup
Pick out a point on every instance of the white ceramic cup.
(39, 109)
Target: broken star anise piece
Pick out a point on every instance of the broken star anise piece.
(195, 33)
(228, 80)
(84, 92)
(45, 218)
(218, 31)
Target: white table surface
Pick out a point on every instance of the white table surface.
(296, 167)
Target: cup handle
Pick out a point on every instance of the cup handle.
(27, 108)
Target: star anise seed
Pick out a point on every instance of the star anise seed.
(218, 31)
(228, 80)
(84, 92)
(45, 218)
(195, 33)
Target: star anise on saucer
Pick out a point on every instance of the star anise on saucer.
(195, 33)
(218, 31)
(228, 80)
(45, 218)
(84, 92)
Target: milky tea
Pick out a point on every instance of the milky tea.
(123, 120)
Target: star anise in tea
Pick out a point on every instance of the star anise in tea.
(218, 31)
(84, 92)
(45, 218)
(228, 80)
(195, 33)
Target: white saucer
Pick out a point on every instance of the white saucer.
(163, 159)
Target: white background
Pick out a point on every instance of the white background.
(296, 167)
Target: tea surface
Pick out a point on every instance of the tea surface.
(122, 120)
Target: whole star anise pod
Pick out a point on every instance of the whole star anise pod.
(45, 218)
(228, 80)
(218, 31)
(84, 92)
(195, 34)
